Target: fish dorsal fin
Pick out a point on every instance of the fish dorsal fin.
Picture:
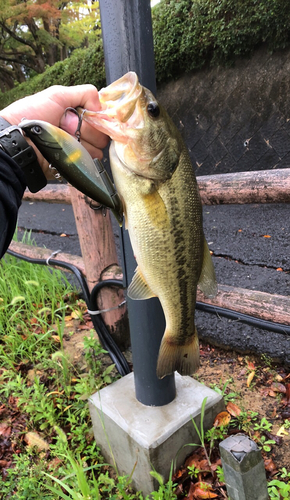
(138, 288)
(207, 281)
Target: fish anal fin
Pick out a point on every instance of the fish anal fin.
(138, 288)
(182, 358)
(207, 280)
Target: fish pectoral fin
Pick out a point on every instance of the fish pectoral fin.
(138, 288)
(207, 280)
(182, 358)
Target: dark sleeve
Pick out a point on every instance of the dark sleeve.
(12, 186)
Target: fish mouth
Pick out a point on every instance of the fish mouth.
(119, 108)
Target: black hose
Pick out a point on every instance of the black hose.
(244, 318)
(106, 339)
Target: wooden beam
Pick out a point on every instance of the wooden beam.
(265, 186)
(52, 193)
(262, 305)
(99, 252)
(44, 253)
(270, 307)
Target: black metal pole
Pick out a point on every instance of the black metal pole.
(128, 46)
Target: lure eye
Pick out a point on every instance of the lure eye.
(36, 129)
(153, 109)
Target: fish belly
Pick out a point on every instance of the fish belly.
(165, 229)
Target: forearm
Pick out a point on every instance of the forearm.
(12, 186)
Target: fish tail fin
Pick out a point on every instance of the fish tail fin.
(182, 358)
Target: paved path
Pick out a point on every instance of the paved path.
(249, 244)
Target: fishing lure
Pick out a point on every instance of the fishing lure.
(74, 163)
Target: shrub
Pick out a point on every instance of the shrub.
(187, 35)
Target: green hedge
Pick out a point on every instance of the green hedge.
(187, 35)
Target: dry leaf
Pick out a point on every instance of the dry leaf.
(233, 409)
(203, 490)
(76, 314)
(251, 366)
(282, 431)
(5, 430)
(250, 378)
(34, 439)
(270, 466)
(288, 392)
(277, 387)
(222, 419)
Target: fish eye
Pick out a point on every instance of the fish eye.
(153, 109)
(36, 129)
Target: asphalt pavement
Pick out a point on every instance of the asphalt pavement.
(249, 243)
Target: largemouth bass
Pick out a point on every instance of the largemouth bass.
(163, 214)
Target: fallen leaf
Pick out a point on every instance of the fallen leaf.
(250, 378)
(278, 439)
(278, 387)
(282, 431)
(76, 314)
(279, 269)
(222, 419)
(266, 236)
(5, 429)
(270, 466)
(251, 366)
(34, 439)
(190, 495)
(288, 393)
(233, 409)
(203, 490)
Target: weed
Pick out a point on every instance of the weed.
(278, 489)
(223, 390)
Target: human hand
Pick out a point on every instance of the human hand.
(50, 104)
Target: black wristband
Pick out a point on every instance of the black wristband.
(14, 144)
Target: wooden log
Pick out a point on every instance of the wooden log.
(52, 193)
(262, 305)
(271, 307)
(265, 186)
(98, 248)
(121, 328)
(44, 253)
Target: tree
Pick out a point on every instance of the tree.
(38, 33)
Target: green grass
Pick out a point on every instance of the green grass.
(47, 394)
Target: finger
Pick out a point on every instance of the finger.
(86, 96)
(69, 122)
(92, 150)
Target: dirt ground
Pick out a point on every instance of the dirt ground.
(257, 385)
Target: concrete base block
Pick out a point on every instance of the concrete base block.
(144, 437)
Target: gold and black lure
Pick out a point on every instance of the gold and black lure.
(74, 163)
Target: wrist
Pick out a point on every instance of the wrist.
(14, 144)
